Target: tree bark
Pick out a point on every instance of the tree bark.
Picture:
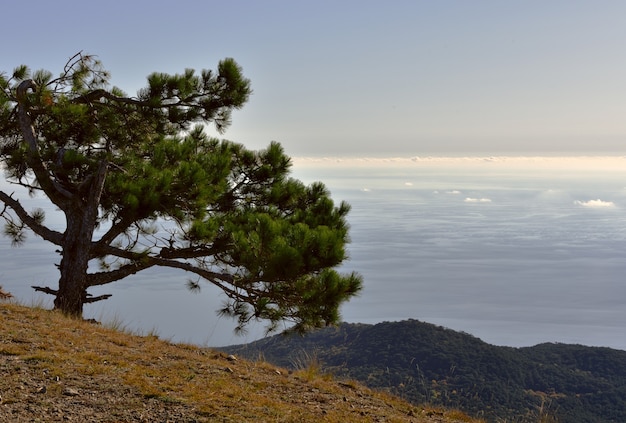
(72, 284)
(81, 219)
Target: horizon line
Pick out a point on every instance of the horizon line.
(605, 161)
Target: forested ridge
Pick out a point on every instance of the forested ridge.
(423, 362)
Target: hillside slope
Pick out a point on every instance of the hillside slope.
(59, 369)
(426, 363)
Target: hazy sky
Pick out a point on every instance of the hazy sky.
(366, 77)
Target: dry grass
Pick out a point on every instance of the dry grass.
(75, 369)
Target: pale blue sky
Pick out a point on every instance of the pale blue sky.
(367, 78)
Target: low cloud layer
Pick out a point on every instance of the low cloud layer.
(603, 163)
(595, 204)
(477, 200)
(526, 259)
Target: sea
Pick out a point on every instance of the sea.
(516, 251)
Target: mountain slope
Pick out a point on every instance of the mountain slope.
(427, 363)
(59, 369)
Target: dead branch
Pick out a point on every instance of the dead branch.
(5, 295)
(89, 299)
(45, 290)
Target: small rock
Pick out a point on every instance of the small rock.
(41, 390)
(229, 370)
(231, 358)
(70, 392)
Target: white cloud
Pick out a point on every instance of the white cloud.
(454, 191)
(595, 203)
(477, 200)
(408, 184)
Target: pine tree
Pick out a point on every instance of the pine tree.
(161, 192)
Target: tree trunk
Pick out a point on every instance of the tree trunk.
(80, 206)
(72, 291)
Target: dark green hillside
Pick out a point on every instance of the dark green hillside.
(427, 363)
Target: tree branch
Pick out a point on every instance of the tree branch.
(95, 192)
(87, 298)
(140, 262)
(103, 278)
(47, 234)
(116, 229)
(189, 252)
(213, 277)
(45, 290)
(100, 93)
(55, 192)
(90, 299)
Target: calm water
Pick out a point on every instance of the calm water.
(515, 252)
